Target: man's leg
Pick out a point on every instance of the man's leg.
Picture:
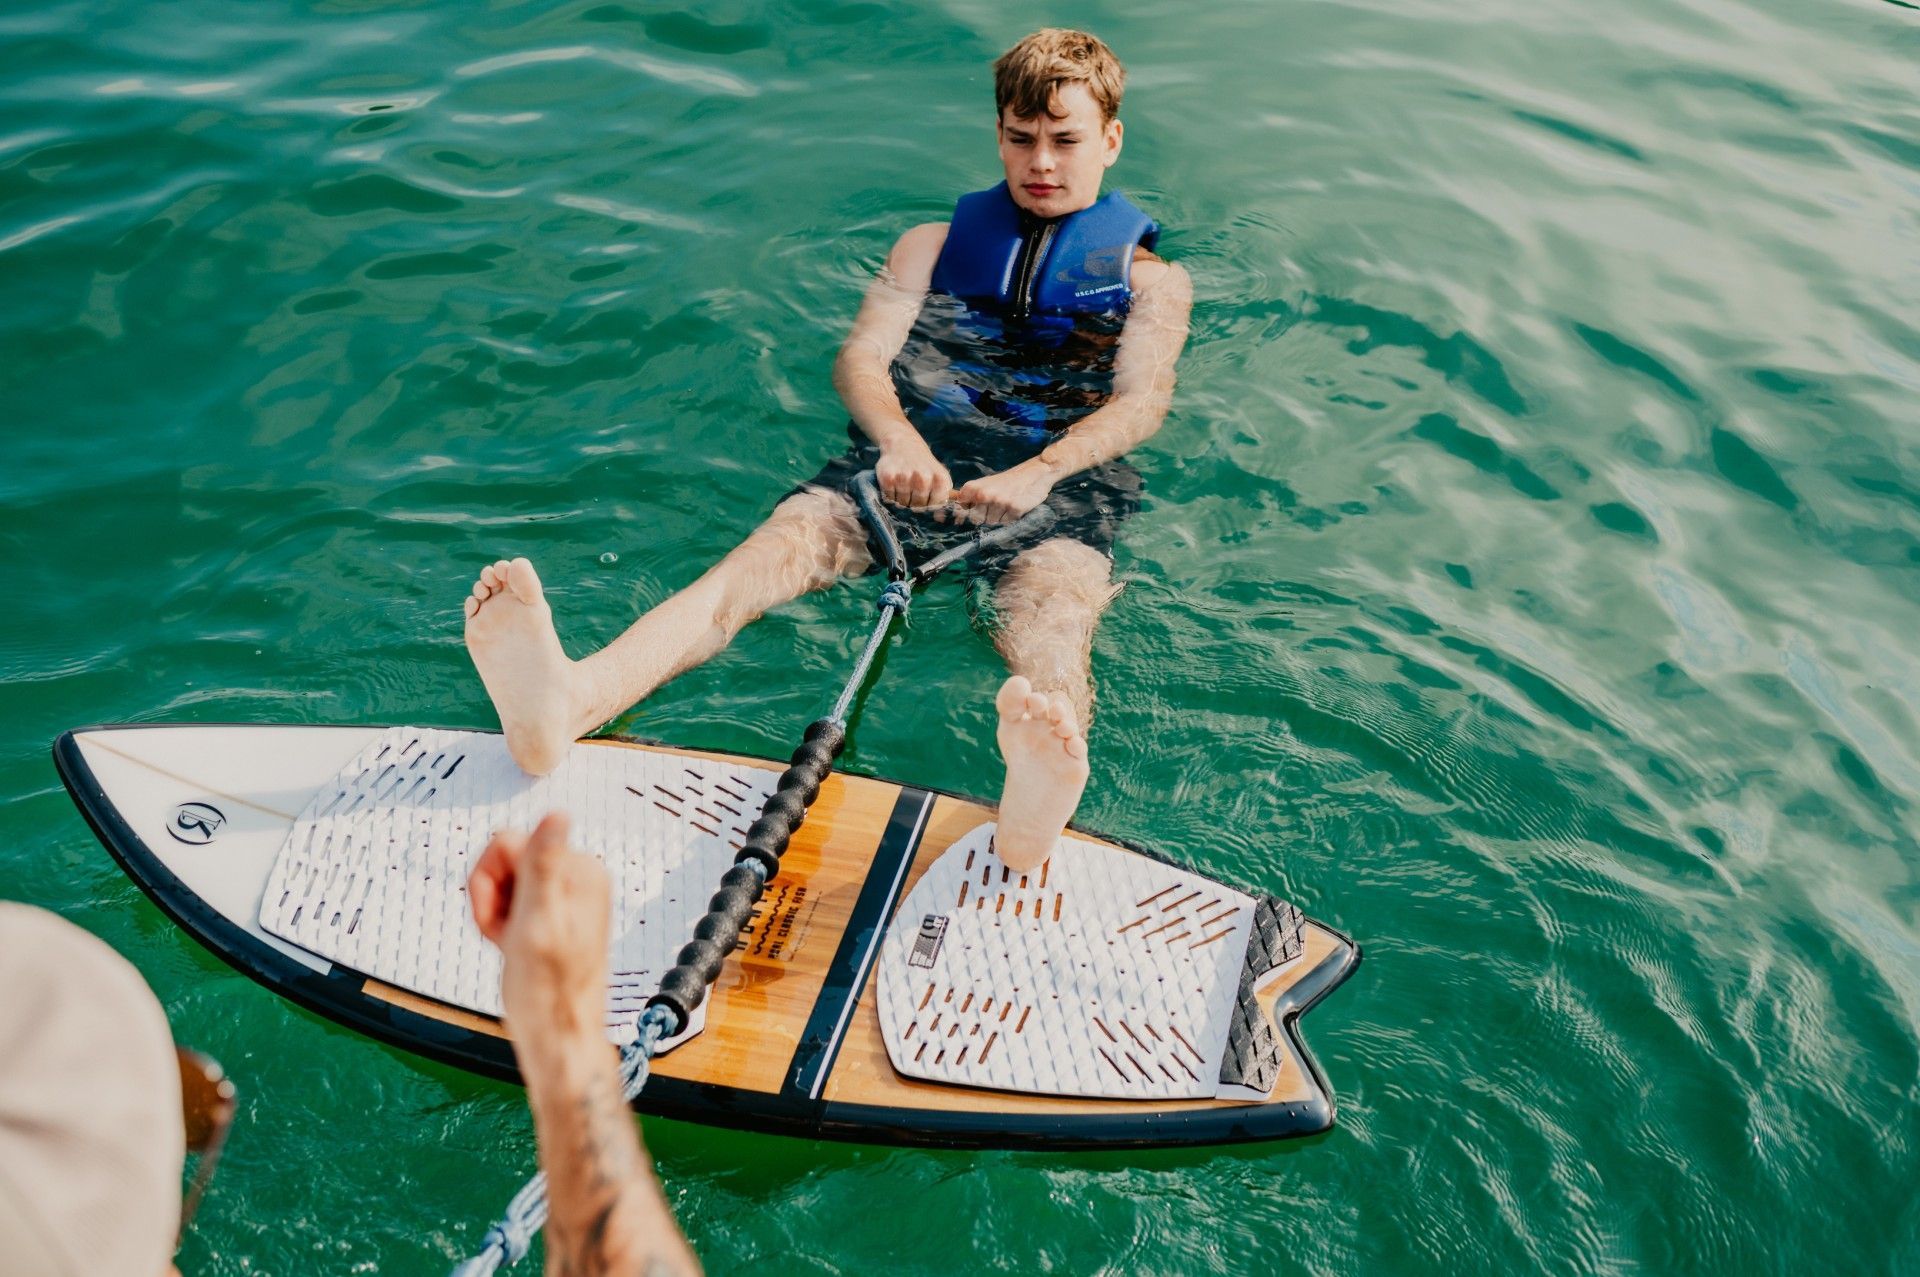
(1047, 604)
(546, 701)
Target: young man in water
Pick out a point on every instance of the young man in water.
(1000, 361)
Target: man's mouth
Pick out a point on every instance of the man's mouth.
(1040, 188)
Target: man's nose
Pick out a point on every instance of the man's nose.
(1043, 157)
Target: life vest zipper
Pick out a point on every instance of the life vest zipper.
(1033, 250)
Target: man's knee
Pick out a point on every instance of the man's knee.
(1058, 573)
(814, 536)
(812, 539)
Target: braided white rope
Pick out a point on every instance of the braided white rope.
(509, 1238)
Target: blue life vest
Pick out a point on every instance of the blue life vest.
(1002, 259)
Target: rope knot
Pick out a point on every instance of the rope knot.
(898, 595)
(514, 1241)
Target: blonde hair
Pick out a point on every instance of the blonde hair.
(1028, 75)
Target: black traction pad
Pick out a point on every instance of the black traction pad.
(1253, 1047)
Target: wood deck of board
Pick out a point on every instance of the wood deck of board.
(766, 993)
(762, 1000)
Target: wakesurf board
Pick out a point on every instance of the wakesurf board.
(896, 984)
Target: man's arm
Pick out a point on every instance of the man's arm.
(908, 473)
(606, 1213)
(547, 908)
(1143, 377)
(1143, 374)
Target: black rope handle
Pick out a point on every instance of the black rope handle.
(1041, 516)
(866, 495)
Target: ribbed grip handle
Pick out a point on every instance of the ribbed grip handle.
(684, 987)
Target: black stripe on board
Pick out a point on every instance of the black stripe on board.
(859, 943)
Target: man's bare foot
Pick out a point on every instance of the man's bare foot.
(1046, 772)
(536, 690)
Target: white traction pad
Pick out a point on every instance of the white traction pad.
(1102, 974)
(373, 874)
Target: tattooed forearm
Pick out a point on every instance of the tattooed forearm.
(606, 1214)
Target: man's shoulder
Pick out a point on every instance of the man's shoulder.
(926, 233)
(915, 253)
(1150, 269)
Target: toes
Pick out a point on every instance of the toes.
(482, 591)
(523, 581)
(1065, 729)
(473, 605)
(1076, 746)
(1037, 704)
(1012, 699)
(490, 576)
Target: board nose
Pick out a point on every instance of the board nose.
(200, 811)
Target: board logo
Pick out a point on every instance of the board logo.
(926, 945)
(196, 823)
(776, 930)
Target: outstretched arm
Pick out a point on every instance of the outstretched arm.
(1150, 345)
(547, 908)
(907, 473)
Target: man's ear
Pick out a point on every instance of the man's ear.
(1114, 130)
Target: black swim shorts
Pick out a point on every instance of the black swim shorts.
(1088, 507)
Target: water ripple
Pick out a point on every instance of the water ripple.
(1526, 584)
(679, 73)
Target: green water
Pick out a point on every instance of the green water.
(1528, 585)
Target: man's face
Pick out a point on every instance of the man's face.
(1054, 163)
